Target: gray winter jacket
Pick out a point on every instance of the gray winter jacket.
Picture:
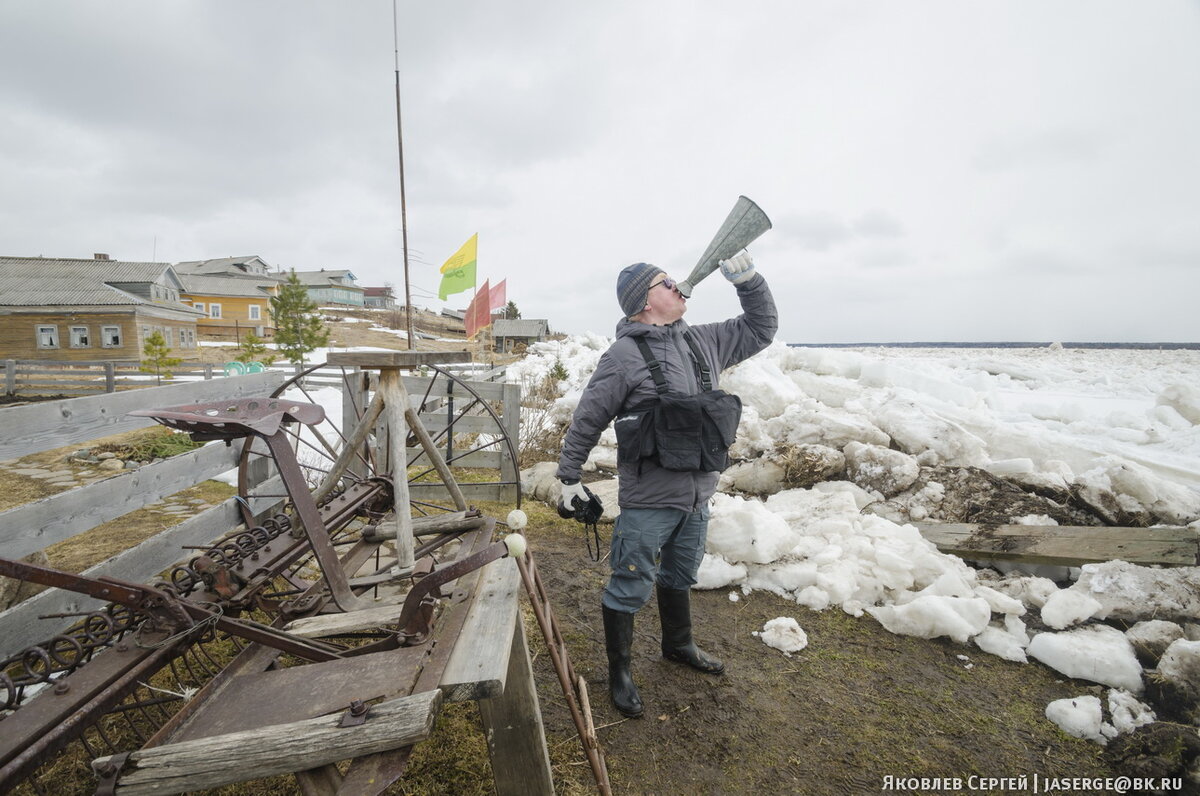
(622, 380)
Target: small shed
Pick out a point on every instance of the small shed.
(508, 333)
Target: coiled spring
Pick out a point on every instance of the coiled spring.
(65, 652)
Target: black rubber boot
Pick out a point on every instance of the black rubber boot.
(675, 611)
(618, 638)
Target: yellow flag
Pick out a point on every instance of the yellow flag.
(464, 257)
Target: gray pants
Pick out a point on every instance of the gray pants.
(653, 545)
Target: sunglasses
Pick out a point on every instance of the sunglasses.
(667, 282)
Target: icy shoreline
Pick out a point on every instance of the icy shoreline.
(841, 448)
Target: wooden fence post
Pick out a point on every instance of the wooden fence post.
(10, 376)
(509, 467)
(110, 377)
(208, 371)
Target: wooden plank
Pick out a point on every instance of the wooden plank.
(36, 526)
(468, 424)
(434, 492)
(489, 458)
(488, 390)
(395, 401)
(1065, 545)
(53, 424)
(385, 612)
(277, 749)
(434, 456)
(512, 429)
(512, 724)
(53, 389)
(396, 359)
(478, 666)
(355, 400)
(20, 626)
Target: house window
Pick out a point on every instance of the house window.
(255, 312)
(214, 310)
(47, 337)
(199, 305)
(110, 336)
(81, 337)
(167, 335)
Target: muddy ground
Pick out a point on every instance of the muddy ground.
(856, 706)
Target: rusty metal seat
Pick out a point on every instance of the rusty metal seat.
(228, 420)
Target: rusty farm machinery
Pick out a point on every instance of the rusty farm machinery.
(319, 638)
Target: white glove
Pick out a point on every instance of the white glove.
(572, 491)
(738, 268)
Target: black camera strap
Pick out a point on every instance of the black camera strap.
(699, 361)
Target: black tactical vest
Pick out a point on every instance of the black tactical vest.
(678, 431)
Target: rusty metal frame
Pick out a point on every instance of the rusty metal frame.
(147, 629)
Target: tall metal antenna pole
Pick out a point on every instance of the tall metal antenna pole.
(403, 203)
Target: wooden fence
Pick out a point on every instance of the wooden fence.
(52, 377)
(490, 662)
(39, 427)
(34, 526)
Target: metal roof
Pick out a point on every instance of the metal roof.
(228, 266)
(503, 327)
(204, 285)
(326, 278)
(43, 281)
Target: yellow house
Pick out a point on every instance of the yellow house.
(232, 305)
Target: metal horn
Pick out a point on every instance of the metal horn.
(742, 227)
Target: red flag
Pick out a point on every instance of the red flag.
(483, 311)
(499, 299)
(479, 313)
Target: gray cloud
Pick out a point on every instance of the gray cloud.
(576, 138)
(1047, 148)
(878, 224)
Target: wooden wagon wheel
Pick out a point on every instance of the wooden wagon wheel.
(458, 420)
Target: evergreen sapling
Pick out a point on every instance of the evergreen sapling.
(299, 328)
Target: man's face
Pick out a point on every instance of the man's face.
(664, 300)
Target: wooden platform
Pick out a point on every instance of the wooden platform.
(1065, 545)
(396, 359)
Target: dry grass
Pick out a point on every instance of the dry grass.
(541, 436)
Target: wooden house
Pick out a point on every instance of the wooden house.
(91, 310)
(332, 287)
(507, 334)
(234, 293)
(379, 298)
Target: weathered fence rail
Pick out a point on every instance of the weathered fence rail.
(41, 377)
(26, 529)
(52, 377)
(34, 428)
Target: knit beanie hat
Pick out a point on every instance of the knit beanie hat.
(632, 286)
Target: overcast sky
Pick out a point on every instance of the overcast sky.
(935, 171)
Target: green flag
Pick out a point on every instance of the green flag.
(457, 281)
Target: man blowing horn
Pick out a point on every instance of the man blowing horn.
(674, 428)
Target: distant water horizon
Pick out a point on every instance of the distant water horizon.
(1009, 344)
